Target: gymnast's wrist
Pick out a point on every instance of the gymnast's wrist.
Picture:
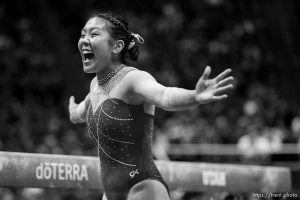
(195, 100)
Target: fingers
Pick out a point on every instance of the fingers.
(71, 101)
(218, 98)
(225, 81)
(223, 75)
(223, 89)
(206, 73)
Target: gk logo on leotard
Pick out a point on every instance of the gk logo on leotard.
(133, 173)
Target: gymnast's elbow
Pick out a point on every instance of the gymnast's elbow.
(164, 100)
(77, 119)
(74, 120)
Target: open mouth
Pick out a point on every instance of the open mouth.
(88, 56)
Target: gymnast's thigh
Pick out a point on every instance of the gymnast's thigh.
(149, 189)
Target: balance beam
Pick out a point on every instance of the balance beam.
(225, 150)
(62, 171)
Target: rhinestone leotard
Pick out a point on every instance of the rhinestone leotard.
(123, 135)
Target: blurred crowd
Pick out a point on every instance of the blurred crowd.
(40, 69)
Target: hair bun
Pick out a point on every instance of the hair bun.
(133, 52)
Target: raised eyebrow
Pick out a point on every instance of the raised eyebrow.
(91, 29)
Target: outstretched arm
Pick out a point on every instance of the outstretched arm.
(174, 99)
(78, 111)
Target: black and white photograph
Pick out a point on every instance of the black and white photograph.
(149, 100)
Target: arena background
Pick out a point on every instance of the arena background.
(40, 68)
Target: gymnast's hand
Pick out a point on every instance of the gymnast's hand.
(208, 90)
(78, 111)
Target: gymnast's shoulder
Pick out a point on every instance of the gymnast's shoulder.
(136, 76)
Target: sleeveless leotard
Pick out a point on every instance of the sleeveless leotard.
(123, 135)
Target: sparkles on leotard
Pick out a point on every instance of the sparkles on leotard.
(123, 135)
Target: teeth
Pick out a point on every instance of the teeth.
(87, 56)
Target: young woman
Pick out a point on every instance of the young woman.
(119, 108)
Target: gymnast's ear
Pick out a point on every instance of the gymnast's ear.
(118, 46)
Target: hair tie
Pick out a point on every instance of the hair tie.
(138, 38)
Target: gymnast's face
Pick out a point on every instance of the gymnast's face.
(95, 45)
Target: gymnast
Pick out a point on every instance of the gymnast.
(119, 108)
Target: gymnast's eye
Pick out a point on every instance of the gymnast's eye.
(95, 33)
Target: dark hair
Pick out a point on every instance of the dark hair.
(118, 29)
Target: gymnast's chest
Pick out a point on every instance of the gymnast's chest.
(111, 110)
(112, 118)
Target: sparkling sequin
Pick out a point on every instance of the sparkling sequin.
(109, 75)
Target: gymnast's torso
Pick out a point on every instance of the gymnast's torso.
(123, 135)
